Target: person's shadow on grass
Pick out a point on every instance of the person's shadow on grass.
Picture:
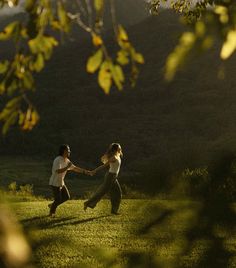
(46, 222)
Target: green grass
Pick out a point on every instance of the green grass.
(148, 233)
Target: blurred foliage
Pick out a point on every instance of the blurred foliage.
(12, 187)
(193, 182)
(26, 189)
(209, 21)
(20, 193)
(14, 249)
(35, 39)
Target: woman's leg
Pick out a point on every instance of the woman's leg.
(101, 191)
(116, 195)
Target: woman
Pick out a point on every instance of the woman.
(61, 165)
(111, 158)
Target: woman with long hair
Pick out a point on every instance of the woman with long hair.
(111, 159)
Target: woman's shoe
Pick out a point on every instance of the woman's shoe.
(115, 212)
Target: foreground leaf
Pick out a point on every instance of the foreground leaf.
(94, 61)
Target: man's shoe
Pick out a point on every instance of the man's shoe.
(85, 206)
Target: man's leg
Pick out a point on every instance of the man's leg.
(65, 195)
(57, 199)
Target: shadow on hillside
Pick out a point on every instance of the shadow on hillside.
(160, 219)
(215, 221)
(207, 239)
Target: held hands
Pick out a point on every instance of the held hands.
(89, 172)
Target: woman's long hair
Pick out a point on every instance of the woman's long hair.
(111, 151)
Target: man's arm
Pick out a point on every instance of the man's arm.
(61, 170)
(80, 170)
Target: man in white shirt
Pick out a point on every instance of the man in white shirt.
(61, 165)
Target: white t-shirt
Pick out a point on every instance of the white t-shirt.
(115, 166)
(57, 179)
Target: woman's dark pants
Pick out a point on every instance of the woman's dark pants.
(111, 186)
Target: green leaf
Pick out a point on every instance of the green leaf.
(200, 28)
(63, 17)
(14, 102)
(28, 80)
(118, 76)
(97, 40)
(9, 31)
(138, 57)
(178, 56)
(12, 105)
(12, 87)
(229, 45)
(44, 14)
(28, 119)
(42, 44)
(94, 61)
(122, 34)
(98, 4)
(4, 66)
(105, 77)
(39, 63)
(11, 120)
(122, 57)
(30, 5)
(2, 88)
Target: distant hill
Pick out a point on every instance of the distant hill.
(128, 12)
(160, 126)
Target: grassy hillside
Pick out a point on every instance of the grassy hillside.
(148, 233)
(162, 127)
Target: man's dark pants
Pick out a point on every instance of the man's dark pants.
(61, 194)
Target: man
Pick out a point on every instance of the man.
(61, 165)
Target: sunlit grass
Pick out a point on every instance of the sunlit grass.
(150, 232)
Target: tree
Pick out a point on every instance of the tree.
(209, 21)
(36, 36)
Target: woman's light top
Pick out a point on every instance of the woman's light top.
(115, 166)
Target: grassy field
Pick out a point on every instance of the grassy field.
(148, 233)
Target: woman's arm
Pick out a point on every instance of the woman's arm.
(110, 160)
(100, 167)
